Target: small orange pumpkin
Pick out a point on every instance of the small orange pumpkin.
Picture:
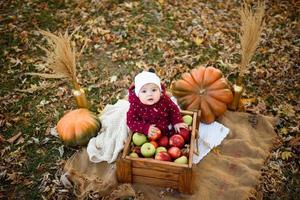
(78, 126)
(203, 89)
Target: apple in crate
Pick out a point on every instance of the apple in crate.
(187, 119)
(155, 136)
(133, 155)
(137, 149)
(174, 152)
(176, 141)
(163, 156)
(163, 141)
(154, 143)
(185, 133)
(139, 139)
(148, 150)
(181, 160)
(160, 149)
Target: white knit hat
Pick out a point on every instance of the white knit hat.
(143, 78)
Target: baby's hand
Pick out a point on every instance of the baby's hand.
(152, 130)
(178, 126)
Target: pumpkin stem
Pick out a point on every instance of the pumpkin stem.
(202, 91)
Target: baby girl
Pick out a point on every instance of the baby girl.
(151, 110)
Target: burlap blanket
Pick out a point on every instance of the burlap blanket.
(230, 172)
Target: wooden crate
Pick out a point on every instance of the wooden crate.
(159, 173)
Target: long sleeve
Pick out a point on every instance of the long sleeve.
(134, 123)
(174, 112)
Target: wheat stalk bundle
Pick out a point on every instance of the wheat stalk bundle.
(60, 57)
(251, 27)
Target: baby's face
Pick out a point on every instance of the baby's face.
(149, 94)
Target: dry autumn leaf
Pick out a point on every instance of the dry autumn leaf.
(14, 138)
(286, 155)
(2, 139)
(216, 151)
(198, 41)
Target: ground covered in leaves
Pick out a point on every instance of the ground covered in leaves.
(123, 37)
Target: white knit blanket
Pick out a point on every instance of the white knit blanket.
(110, 140)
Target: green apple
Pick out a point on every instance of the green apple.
(133, 155)
(181, 160)
(139, 139)
(160, 149)
(187, 119)
(148, 150)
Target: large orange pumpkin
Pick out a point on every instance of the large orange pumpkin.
(78, 126)
(203, 89)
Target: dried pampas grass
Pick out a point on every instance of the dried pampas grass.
(251, 28)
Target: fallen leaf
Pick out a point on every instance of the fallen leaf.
(14, 177)
(198, 41)
(286, 155)
(3, 174)
(54, 132)
(287, 110)
(295, 141)
(20, 140)
(161, 2)
(283, 131)
(2, 139)
(14, 138)
(35, 140)
(216, 151)
(61, 150)
(113, 78)
(249, 101)
(65, 180)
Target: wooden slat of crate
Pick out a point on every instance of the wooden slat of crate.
(127, 145)
(155, 181)
(153, 164)
(124, 170)
(185, 182)
(155, 174)
(192, 141)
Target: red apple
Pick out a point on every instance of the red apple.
(154, 143)
(185, 133)
(156, 136)
(163, 141)
(164, 156)
(137, 149)
(174, 152)
(176, 141)
(160, 149)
